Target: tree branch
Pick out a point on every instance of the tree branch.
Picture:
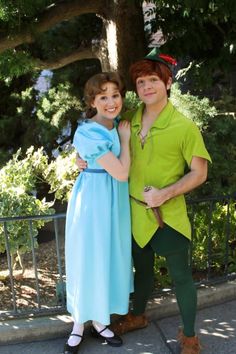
(80, 54)
(49, 18)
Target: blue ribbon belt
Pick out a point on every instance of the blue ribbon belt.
(94, 170)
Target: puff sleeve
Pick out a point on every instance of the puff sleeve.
(91, 142)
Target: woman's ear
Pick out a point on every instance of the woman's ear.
(169, 83)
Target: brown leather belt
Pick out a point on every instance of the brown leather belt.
(155, 210)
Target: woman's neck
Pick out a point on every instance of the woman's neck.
(108, 123)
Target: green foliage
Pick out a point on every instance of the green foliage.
(161, 277)
(14, 202)
(220, 138)
(24, 173)
(61, 174)
(206, 28)
(29, 119)
(17, 110)
(19, 179)
(80, 31)
(15, 63)
(199, 110)
(226, 103)
(131, 101)
(76, 74)
(54, 110)
(16, 12)
(203, 33)
(214, 232)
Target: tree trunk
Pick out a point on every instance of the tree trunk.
(125, 36)
(131, 43)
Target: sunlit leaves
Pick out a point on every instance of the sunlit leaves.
(18, 183)
(15, 63)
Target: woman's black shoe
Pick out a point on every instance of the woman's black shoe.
(72, 349)
(114, 341)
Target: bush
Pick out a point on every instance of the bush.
(61, 174)
(18, 183)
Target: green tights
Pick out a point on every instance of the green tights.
(170, 244)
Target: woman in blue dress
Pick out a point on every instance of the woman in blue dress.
(98, 232)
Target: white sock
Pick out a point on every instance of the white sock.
(77, 329)
(99, 327)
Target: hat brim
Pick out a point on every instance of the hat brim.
(158, 60)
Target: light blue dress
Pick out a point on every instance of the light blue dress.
(98, 233)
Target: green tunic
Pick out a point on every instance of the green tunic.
(170, 145)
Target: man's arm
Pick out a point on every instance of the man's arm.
(194, 178)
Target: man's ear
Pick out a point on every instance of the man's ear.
(169, 83)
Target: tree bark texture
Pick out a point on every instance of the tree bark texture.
(131, 43)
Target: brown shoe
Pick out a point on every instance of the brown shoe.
(128, 323)
(189, 345)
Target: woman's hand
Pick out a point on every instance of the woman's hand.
(124, 130)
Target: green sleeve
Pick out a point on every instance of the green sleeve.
(193, 144)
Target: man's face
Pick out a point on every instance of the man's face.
(151, 89)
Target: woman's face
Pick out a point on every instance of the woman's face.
(108, 103)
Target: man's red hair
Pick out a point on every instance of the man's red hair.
(147, 67)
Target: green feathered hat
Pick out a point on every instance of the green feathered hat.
(156, 55)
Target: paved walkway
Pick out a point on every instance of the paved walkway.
(216, 325)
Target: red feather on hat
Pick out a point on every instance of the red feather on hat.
(168, 59)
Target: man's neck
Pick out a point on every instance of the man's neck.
(151, 112)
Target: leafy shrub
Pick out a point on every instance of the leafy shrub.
(214, 232)
(61, 174)
(199, 110)
(18, 183)
(131, 101)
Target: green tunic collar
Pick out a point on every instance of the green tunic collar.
(160, 123)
